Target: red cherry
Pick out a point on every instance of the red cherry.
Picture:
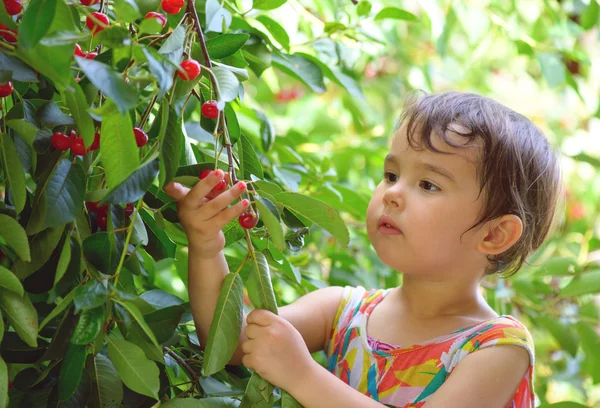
(170, 8)
(141, 138)
(248, 219)
(162, 20)
(219, 188)
(8, 34)
(78, 147)
(204, 174)
(6, 89)
(96, 143)
(78, 51)
(91, 55)
(191, 68)
(93, 207)
(89, 2)
(175, 3)
(129, 209)
(13, 7)
(102, 221)
(95, 27)
(210, 110)
(60, 141)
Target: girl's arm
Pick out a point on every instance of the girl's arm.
(322, 389)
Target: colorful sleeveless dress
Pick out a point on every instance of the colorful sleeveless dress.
(404, 377)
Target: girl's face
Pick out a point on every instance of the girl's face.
(433, 199)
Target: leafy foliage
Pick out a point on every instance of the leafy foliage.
(93, 299)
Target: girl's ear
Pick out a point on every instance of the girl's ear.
(501, 234)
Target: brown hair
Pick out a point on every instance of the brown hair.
(518, 171)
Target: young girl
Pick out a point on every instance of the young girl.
(469, 189)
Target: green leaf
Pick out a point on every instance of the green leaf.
(249, 159)
(63, 261)
(564, 335)
(337, 76)
(276, 30)
(70, 371)
(267, 4)
(396, 14)
(127, 10)
(316, 211)
(42, 245)
(78, 107)
(3, 382)
(101, 252)
(14, 171)
(135, 186)
(9, 281)
(363, 8)
(109, 385)
(228, 84)
(110, 82)
(226, 325)
(21, 314)
(270, 217)
(137, 315)
(299, 67)
(218, 18)
(136, 371)
(20, 71)
(582, 284)
(566, 404)
(171, 147)
(553, 68)
(89, 325)
(63, 38)
(36, 21)
(14, 235)
(287, 401)
(120, 153)
(558, 266)
(91, 295)
(50, 115)
(225, 45)
(52, 62)
(60, 199)
(59, 308)
(210, 402)
(164, 322)
(24, 129)
(590, 342)
(267, 131)
(159, 70)
(590, 15)
(259, 393)
(233, 125)
(260, 289)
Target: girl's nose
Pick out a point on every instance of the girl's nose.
(395, 196)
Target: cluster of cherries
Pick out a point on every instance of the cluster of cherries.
(61, 141)
(248, 219)
(101, 212)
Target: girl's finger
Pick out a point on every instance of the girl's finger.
(228, 214)
(176, 191)
(201, 189)
(220, 203)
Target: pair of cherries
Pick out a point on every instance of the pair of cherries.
(248, 219)
(102, 212)
(62, 142)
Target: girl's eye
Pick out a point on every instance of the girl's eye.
(426, 185)
(386, 176)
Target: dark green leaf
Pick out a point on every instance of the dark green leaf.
(139, 318)
(134, 187)
(270, 216)
(158, 69)
(52, 62)
(42, 245)
(267, 131)
(89, 325)
(92, 294)
(210, 402)
(582, 284)
(226, 325)
(101, 252)
(14, 235)
(70, 371)
(3, 381)
(127, 10)
(50, 115)
(20, 71)
(110, 82)
(163, 322)
(36, 21)
(21, 314)
(24, 129)
(171, 147)
(14, 171)
(225, 45)
(233, 125)
(259, 393)
(249, 159)
(117, 144)
(564, 335)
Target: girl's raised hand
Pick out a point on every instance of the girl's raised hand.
(203, 218)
